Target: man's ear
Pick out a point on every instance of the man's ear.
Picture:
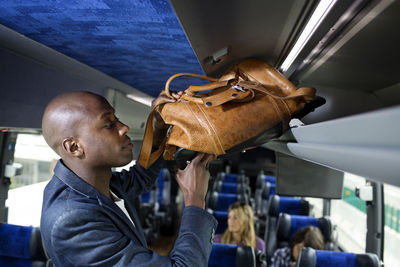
(72, 147)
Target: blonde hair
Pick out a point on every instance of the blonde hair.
(246, 218)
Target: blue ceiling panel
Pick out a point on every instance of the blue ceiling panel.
(140, 43)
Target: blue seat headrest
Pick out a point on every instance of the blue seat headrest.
(233, 178)
(222, 201)
(289, 205)
(21, 246)
(269, 178)
(145, 197)
(262, 179)
(269, 189)
(335, 258)
(222, 218)
(222, 255)
(288, 225)
(163, 178)
(15, 241)
(231, 188)
(323, 258)
(225, 200)
(281, 204)
(231, 255)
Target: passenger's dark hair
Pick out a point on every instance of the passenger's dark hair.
(311, 236)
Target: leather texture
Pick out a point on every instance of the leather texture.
(245, 103)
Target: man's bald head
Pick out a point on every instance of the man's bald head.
(64, 115)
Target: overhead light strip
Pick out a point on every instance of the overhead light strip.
(370, 16)
(141, 99)
(317, 17)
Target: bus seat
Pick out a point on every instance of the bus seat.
(262, 179)
(164, 187)
(160, 194)
(310, 257)
(222, 218)
(231, 188)
(281, 204)
(21, 246)
(233, 177)
(221, 201)
(288, 225)
(276, 205)
(262, 199)
(231, 255)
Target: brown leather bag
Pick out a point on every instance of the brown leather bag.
(248, 106)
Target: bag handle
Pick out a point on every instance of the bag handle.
(306, 92)
(193, 87)
(146, 157)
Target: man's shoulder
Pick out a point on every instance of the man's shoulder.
(59, 200)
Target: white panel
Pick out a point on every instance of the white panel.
(367, 145)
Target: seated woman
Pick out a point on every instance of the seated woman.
(240, 229)
(306, 237)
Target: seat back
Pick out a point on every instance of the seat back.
(233, 177)
(276, 205)
(231, 255)
(268, 190)
(21, 246)
(262, 179)
(281, 204)
(288, 225)
(222, 218)
(231, 188)
(164, 187)
(221, 201)
(310, 257)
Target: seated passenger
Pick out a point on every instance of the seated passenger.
(306, 237)
(240, 228)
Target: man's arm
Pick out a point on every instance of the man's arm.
(141, 179)
(138, 179)
(88, 238)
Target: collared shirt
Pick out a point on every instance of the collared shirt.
(121, 204)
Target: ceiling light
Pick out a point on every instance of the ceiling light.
(317, 17)
(141, 99)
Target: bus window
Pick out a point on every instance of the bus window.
(316, 206)
(391, 256)
(26, 191)
(349, 216)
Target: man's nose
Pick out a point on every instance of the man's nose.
(124, 129)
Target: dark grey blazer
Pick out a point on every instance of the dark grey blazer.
(82, 227)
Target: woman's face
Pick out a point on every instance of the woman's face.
(233, 221)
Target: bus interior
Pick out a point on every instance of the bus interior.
(341, 161)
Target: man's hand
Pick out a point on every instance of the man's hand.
(193, 180)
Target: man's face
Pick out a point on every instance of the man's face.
(104, 136)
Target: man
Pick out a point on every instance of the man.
(88, 214)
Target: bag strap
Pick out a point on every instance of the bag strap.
(193, 87)
(190, 93)
(146, 157)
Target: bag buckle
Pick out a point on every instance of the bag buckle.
(239, 88)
